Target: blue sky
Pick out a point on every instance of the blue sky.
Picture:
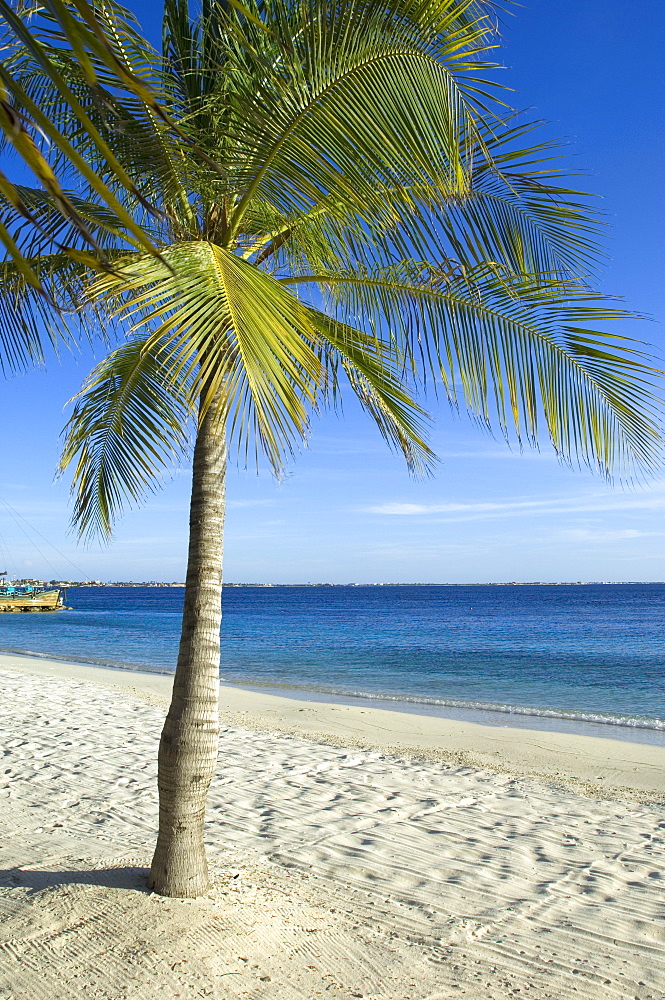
(346, 510)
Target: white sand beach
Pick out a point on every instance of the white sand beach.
(355, 853)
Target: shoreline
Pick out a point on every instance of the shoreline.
(595, 765)
(484, 714)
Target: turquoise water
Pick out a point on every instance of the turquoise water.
(587, 654)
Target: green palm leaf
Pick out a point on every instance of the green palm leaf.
(230, 324)
(127, 427)
(519, 353)
(358, 99)
(377, 374)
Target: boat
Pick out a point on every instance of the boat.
(30, 597)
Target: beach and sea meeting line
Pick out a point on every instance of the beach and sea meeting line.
(558, 657)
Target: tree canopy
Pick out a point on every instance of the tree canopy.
(290, 196)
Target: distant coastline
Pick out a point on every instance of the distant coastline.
(507, 583)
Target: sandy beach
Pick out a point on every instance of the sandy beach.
(355, 853)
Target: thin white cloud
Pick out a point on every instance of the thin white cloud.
(250, 503)
(509, 508)
(505, 453)
(150, 540)
(407, 509)
(589, 535)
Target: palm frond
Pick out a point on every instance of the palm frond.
(22, 119)
(40, 316)
(521, 354)
(377, 374)
(229, 324)
(129, 425)
(47, 229)
(356, 99)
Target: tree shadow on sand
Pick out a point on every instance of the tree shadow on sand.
(132, 877)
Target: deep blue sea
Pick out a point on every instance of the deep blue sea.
(552, 657)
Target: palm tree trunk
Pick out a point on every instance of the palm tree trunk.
(188, 747)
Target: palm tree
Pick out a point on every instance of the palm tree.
(293, 197)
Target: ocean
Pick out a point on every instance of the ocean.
(587, 658)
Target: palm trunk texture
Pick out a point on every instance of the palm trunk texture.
(188, 746)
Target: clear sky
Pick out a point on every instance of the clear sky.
(347, 510)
